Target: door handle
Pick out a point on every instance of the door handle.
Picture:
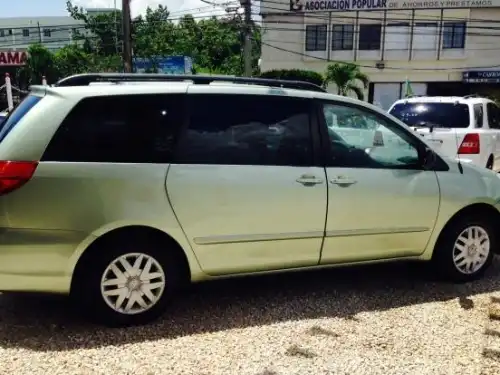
(342, 181)
(308, 180)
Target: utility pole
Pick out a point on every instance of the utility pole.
(127, 38)
(39, 33)
(247, 44)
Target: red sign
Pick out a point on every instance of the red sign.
(13, 58)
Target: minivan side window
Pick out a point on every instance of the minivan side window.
(493, 116)
(247, 130)
(382, 145)
(119, 129)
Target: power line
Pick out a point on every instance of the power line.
(400, 32)
(317, 15)
(178, 17)
(73, 28)
(386, 49)
(374, 67)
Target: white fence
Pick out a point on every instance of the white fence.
(10, 88)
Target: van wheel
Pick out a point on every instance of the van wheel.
(465, 249)
(489, 164)
(128, 283)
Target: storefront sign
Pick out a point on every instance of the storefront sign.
(13, 58)
(353, 5)
(164, 65)
(481, 76)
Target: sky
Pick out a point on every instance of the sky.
(37, 8)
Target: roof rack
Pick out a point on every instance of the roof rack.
(472, 96)
(87, 78)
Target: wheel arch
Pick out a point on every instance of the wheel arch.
(128, 232)
(483, 209)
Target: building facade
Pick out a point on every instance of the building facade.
(52, 32)
(17, 34)
(441, 47)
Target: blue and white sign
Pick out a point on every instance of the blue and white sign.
(354, 5)
(164, 65)
(481, 76)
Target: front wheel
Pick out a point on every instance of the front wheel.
(465, 249)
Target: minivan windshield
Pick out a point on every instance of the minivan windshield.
(17, 114)
(442, 115)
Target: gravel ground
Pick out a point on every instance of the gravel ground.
(377, 320)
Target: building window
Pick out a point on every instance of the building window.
(425, 36)
(454, 34)
(342, 37)
(47, 33)
(2, 33)
(369, 37)
(316, 38)
(10, 32)
(26, 33)
(397, 36)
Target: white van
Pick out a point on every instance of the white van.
(459, 127)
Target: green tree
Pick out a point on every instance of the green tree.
(72, 59)
(154, 35)
(109, 64)
(101, 33)
(214, 44)
(346, 78)
(40, 63)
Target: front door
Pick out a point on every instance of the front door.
(244, 188)
(381, 203)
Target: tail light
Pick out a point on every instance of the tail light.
(470, 144)
(14, 174)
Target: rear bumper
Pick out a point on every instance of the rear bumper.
(473, 159)
(35, 260)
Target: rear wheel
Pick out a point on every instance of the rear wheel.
(465, 249)
(128, 283)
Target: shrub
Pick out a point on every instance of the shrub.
(294, 75)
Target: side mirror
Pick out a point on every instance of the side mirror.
(427, 158)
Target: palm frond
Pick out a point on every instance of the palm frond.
(360, 76)
(345, 77)
(356, 89)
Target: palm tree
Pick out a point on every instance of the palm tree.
(346, 77)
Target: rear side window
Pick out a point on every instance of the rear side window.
(478, 114)
(493, 116)
(442, 115)
(247, 130)
(119, 129)
(6, 125)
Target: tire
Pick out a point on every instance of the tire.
(89, 291)
(446, 248)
